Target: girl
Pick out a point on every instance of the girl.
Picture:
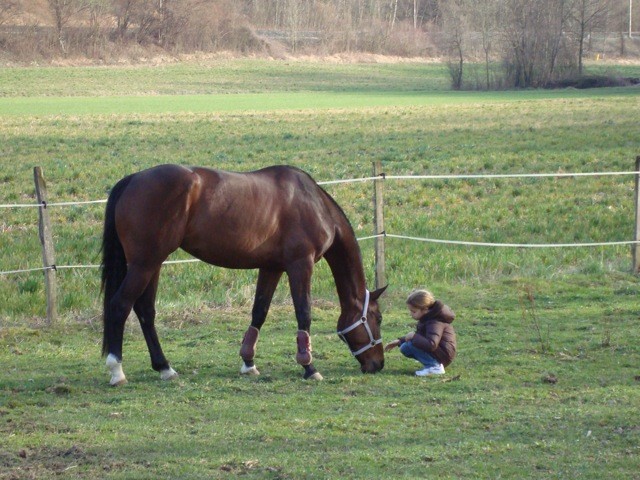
(433, 343)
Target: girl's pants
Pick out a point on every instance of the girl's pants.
(408, 350)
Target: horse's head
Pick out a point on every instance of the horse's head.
(360, 330)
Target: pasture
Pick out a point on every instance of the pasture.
(547, 379)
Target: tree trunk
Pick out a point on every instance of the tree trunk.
(393, 15)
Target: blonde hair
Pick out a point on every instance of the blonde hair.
(422, 299)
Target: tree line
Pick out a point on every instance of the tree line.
(486, 43)
(527, 43)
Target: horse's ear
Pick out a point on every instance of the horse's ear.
(376, 293)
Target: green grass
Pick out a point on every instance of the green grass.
(235, 76)
(496, 412)
(261, 102)
(239, 76)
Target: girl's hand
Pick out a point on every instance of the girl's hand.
(409, 336)
(391, 345)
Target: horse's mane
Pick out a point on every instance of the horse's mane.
(340, 211)
(328, 197)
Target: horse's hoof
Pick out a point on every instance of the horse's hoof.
(168, 374)
(315, 376)
(118, 381)
(117, 374)
(252, 370)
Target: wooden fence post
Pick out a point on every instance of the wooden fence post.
(636, 247)
(378, 202)
(46, 240)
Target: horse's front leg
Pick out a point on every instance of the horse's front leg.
(265, 288)
(300, 285)
(304, 357)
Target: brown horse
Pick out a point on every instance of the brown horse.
(276, 220)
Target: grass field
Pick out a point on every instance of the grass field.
(546, 382)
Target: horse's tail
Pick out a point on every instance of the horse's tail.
(114, 263)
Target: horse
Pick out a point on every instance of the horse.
(275, 220)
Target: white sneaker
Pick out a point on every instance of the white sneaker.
(439, 370)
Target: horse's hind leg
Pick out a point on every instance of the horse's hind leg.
(132, 287)
(146, 311)
(265, 288)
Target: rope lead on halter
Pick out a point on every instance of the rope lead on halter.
(363, 321)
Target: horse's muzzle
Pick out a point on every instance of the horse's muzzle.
(372, 366)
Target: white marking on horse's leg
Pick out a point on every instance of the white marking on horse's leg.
(316, 376)
(168, 374)
(115, 367)
(246, 370)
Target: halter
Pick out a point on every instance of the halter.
(363, 321)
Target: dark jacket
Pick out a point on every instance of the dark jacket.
(435, 334)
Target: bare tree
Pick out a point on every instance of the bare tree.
(8, 10)
(295, 20)
(486, 15)
(588, 16)
(122, 10)
(534, 35)
(63, 11)
(621, 20)
(394, 14)
(454, 27)
(98, 19)
(529, 41)
(556, 22)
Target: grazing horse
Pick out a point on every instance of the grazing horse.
(276, 220)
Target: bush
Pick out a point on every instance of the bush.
(594, 81)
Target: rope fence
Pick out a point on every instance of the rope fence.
(384, 234)
(377, 177)
(49, 266)
(382, 176)
(54, 204)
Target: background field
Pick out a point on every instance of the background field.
(547, 378)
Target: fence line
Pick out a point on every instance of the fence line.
(384, 234)
(168, 262)
(349, 180)
(40, 269)
(507, 175)
(50, 267)
(378, 177)
(514, 245)
(52, 204)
